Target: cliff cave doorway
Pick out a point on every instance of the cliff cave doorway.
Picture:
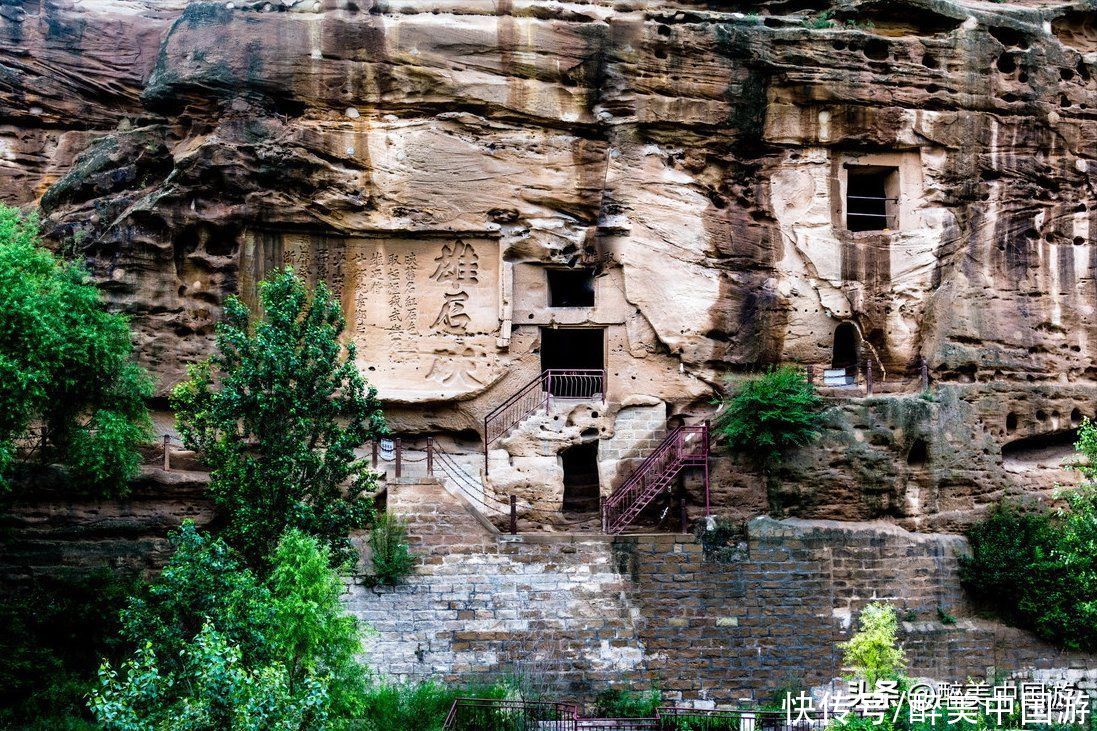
(574, 349)
(845, 346)
(581, 491)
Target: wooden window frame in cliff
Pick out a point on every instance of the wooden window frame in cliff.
(570, 287)
(871, 198)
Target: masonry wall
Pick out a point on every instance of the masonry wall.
(575, 614)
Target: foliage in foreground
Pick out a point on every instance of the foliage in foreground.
(1038, 568)
(53, 633)
(873, 652)
(392, 558)
(419, 707)
(220, 648)
(768, 415)
(277, 413)
(66, 364)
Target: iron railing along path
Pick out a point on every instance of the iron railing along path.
(673, 718)
(538, 394)
(499, 714)
(686, 446)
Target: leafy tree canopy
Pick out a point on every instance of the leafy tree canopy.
(873, 652)
(277, 412)
(769, 414)
(218, 648)
(66, 365)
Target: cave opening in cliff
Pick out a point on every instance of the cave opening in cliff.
(580, 463)
(844, 354)
(872, 195)
(571, 287)
(566, 350)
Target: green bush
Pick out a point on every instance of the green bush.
(768, 415)
(1038, 570)
(65, 364)
(418, 707)
(617, 703)
(278, 413)
(220, 648)
(873, 652)
(392, 558)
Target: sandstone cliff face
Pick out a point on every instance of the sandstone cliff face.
(699, 157)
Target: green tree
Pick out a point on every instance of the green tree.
(217, 648)
(873, 652)
(277, 413)
(66, 365)
(770, 414)
(1086, 446)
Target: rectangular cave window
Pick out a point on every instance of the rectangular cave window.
(571, 287)
(872, 197)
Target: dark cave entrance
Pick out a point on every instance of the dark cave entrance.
(571, 349)
(846, 340)
(570, 287)
(580, 463)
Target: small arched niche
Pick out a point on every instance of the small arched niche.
(846, 346)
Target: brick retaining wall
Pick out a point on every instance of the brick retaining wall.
(575, 614)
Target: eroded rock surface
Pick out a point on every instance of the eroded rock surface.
(709, 165)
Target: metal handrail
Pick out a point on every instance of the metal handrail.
(485, 714)
(538, 393)
(673, 453)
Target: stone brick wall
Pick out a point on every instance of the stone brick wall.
(575, 614)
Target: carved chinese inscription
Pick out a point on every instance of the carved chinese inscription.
(426, 314)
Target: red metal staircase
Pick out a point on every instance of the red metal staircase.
(686, 446)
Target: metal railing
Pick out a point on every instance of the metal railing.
(537, 394)
(497, 714)
(674, 718)
(685, 446)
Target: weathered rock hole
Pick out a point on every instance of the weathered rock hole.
(877, 50)
(930, 61)
(918, 454)
(1041, 415)
(663, 30)
(1066, 74)
(660, 52)
(1010, 38)
(1006, 64)
(1050, 446)
(1076, 416)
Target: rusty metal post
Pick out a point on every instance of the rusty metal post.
(924, 368)
(683, 515)
(399, 449)
(374, 454)
(513, 515)
(810, 371)
(430, 456)
(708, 501)
(167, 453)
(602, 510)
(548, 398)
(868, 376)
